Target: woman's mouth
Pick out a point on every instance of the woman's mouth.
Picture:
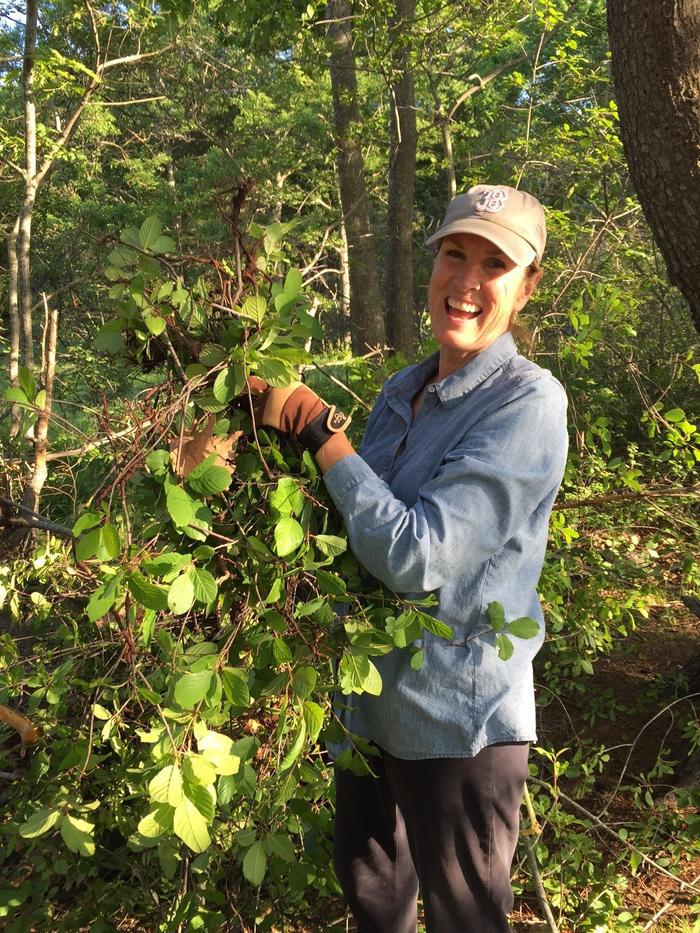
(461, 310)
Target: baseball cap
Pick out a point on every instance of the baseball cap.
(512, 219)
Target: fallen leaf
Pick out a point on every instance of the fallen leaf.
(26, 728)
(195, 448)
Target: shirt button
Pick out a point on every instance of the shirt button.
(431, 388)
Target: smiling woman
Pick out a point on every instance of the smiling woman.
(450, 494)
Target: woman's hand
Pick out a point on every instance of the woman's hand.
(289, 410)
(298, 411)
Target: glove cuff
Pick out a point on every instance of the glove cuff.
(331, 421)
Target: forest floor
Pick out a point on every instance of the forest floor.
(635, 688)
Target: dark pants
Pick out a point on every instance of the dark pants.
(448, 825)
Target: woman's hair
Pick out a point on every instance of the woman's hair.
(518, 330)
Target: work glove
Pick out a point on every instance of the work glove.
(296, 410)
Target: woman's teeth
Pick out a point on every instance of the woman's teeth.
(463, 311)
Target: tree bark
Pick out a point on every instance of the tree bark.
(24, 238)
(402, 173)
(13, 304)
(656, 68)
(365, 304)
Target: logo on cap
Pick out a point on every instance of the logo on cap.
(493, 200)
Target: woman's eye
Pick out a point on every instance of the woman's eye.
(494, 263)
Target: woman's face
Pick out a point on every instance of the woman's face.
(475, 289)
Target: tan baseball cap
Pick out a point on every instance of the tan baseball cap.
(512, 219)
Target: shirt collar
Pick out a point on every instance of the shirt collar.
(406, 383)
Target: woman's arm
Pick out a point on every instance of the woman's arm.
(504, 470)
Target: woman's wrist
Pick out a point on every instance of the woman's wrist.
(335, 448)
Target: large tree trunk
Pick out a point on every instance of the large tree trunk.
(365, 305)
(402, 173)
(656, 67)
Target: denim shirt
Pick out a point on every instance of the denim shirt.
(456, 502)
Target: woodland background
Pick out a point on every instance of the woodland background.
(193, 192)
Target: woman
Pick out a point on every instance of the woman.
(450, 494)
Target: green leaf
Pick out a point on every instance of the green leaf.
(39, 823)
(331, 545)
(181, 594)
(191, 826)
(281, 846)
(180, 505)
(163, 244)
(235, 685)
(197, 770)
(255, 308)
(524, 627)
(103, 598)
(131, 236)
(110, 544)
(202, 799)
(155, 324)
(287, 498)
(504, 646)
(166, 786)
(157, 462)
(330, 583)
(277, 374)
(14, 394)
(417, 659)
(292, 283)
(208, 480)
(205, 588)
(77, 835)
(146, 593)
(157, 822)
(673, 415)
(313, 717)
(229, 383)
(192, 688)
(149, 232)
(88, 545)
(497, 616)
(25, 377)
(288, 536)
(226, 789)
(372, 683)
(110, 338)
(255, 863)
(304, 680)
(435, 626)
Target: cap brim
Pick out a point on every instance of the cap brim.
(514, 246)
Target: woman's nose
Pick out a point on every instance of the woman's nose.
(467, 276)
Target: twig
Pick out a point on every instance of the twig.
(343, 386)
(684, 885)
(627, 495)
(534, 868)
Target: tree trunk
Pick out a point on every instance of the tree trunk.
(24, 238)
(13, 303)
(656, 67)
(365, 306)
(402, 172)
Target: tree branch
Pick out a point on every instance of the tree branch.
(626, 496)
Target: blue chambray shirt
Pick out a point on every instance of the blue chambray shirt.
(456, 503)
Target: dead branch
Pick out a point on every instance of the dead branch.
(626, 496)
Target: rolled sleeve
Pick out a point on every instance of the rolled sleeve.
(498, 475)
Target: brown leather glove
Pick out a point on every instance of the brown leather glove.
(296, 410)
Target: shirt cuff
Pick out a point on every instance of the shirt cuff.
(344, 475)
